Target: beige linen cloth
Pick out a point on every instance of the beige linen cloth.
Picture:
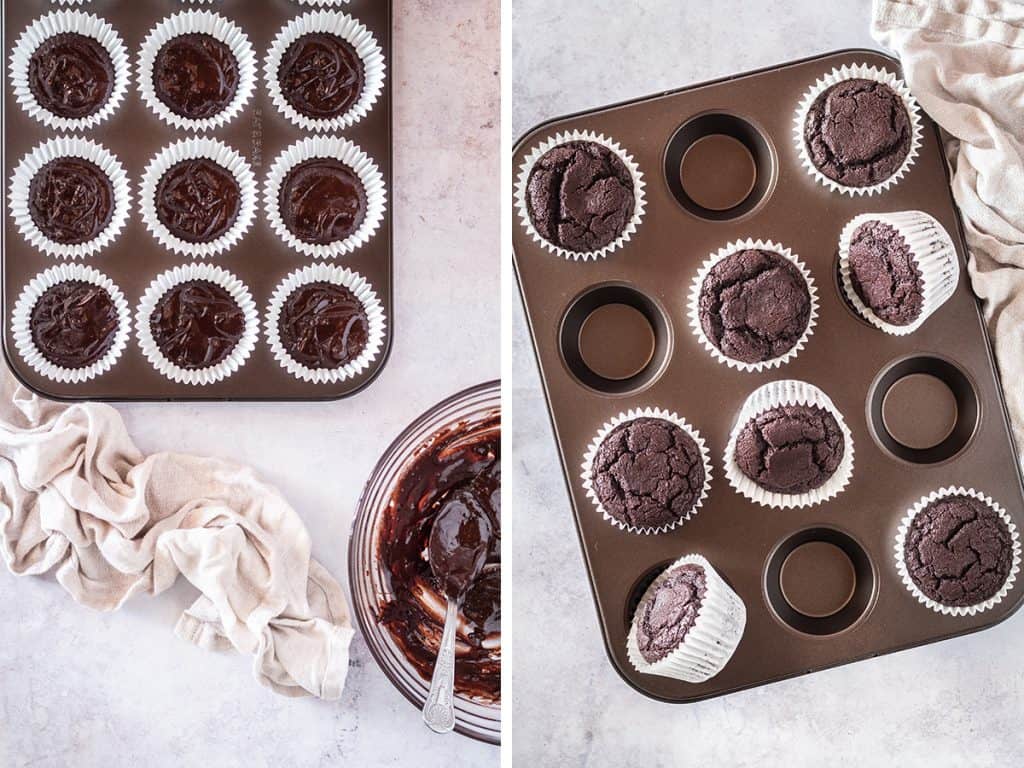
(964, 61)
(78, 498)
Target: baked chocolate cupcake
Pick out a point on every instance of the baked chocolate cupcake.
(71, 75)
(198, 200)
(752, 304)
(957, 551)
(323, 325)
(647, 471)
(322, 201)
(884, 274)
(321, 75)
(74, 324)
(71, 200)
(197, 324)
(196, 75)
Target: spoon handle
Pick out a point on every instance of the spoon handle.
(439, 708)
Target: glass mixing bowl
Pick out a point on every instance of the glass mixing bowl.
(368, 580)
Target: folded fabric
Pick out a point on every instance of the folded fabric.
(964, 61)
(79, 499)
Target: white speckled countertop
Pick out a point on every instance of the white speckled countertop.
(80, 688)
(957, 702)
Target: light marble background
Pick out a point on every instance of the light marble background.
(952, 703)
(81, 688)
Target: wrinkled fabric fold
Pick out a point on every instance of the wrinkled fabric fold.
(964, 61)
(78, 499)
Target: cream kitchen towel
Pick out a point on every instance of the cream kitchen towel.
(964, 61)
(79, 499)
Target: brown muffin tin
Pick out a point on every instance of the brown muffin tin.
(261, 260)
(820, 584)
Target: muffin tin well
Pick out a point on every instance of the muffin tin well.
(925, 410)
(254, 138)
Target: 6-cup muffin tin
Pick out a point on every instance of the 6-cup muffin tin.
(612, 335)
(260, 259)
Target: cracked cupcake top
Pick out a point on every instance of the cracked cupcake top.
(754, 305)
(884, 273)
(668, 612)
(648, 472)
(790, 449)
(580, 196)
(858, 132)
(958, 551)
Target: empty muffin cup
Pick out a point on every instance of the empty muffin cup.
(897, 268)
(583, 226)
(688, 623)
(790, 447)
(647, 471)
(958, 551)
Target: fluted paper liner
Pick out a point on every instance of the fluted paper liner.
(857, 72)
(58, 23)
(930, 247)
(355, 158)
(218, 27)
(774, 395)
(693, 304)
(355, 34)
(632, 415)
(639, 205)
(327, 273)
(183, 274)
(710, 643)
(225, 157)
(51, 150)
(21, 323)
(901, 565)
(323, 2)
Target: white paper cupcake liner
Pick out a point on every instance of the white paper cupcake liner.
(901, 565)
(225, 157)
(932, 250)
(693, 304)
(355, 158)
(632, 415)
(21, 323)
(854, 72)
(51, 150)
(183, 274)
(327, 273)
(774, 395)
(366, 47)
(640, 198)
(218, 27)
(57, 23)
(323, 2)
(710, 642)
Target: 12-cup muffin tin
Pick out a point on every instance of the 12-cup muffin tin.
(628, 312)
(260, 259)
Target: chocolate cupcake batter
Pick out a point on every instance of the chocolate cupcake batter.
(195, 75)
(198, 200)
(858, 132)
(580, 196)
(885, 274)
(71, 200)
(754, 306)
(790, 449)
(322, 201)
(668, 612)
(74, 324)
(323, 325)
(648, 472)
(71, 75)
(321, 75)
(197, 324)
(455, 468)
(958, 551)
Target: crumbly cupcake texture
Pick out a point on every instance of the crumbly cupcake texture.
(74, 324)
(648, 473)
(958, 551)
(791, 448)
(198, 200)
(580, 196)
(885, 274)
(858, 132)
(323, 325)
(668, 612)
(71, 200)
(71, 75)
(196, 75)
(321, 75)
(754, 306)
(197, 324)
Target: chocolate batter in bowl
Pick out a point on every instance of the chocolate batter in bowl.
(452, 452)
